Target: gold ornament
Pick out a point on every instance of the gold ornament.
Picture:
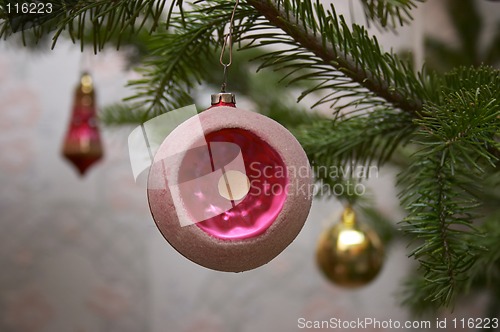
(350, 254)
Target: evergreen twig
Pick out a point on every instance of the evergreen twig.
(337, 46)
(440, 187)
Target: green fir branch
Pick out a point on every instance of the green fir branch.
(353, 142)
(320, 48)
(362, 140)
(345, 61)
(389, 13)
(122, 114)
(440, 187)
(180, 60)
(106, 19)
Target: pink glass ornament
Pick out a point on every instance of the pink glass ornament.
(230, 230)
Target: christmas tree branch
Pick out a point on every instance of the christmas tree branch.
(372, 138)
(340, 149)
(344, 63)
(180, 58)
(442, 184)
(327, 36)
(389, 13)
(348, 65)
(108, 19)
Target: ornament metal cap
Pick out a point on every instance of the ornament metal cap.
(223, 97)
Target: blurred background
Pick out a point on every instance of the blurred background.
(84, 255)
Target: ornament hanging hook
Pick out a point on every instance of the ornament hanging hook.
(228, 44)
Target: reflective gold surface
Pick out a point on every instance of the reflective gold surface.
(350, 254)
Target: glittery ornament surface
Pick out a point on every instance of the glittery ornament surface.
(192, 220)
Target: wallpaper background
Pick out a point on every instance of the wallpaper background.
(84, 255)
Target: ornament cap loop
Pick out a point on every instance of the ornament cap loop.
(348, 216)
(223, 97)
(86, 85)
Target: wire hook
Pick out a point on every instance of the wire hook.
(228, 44)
